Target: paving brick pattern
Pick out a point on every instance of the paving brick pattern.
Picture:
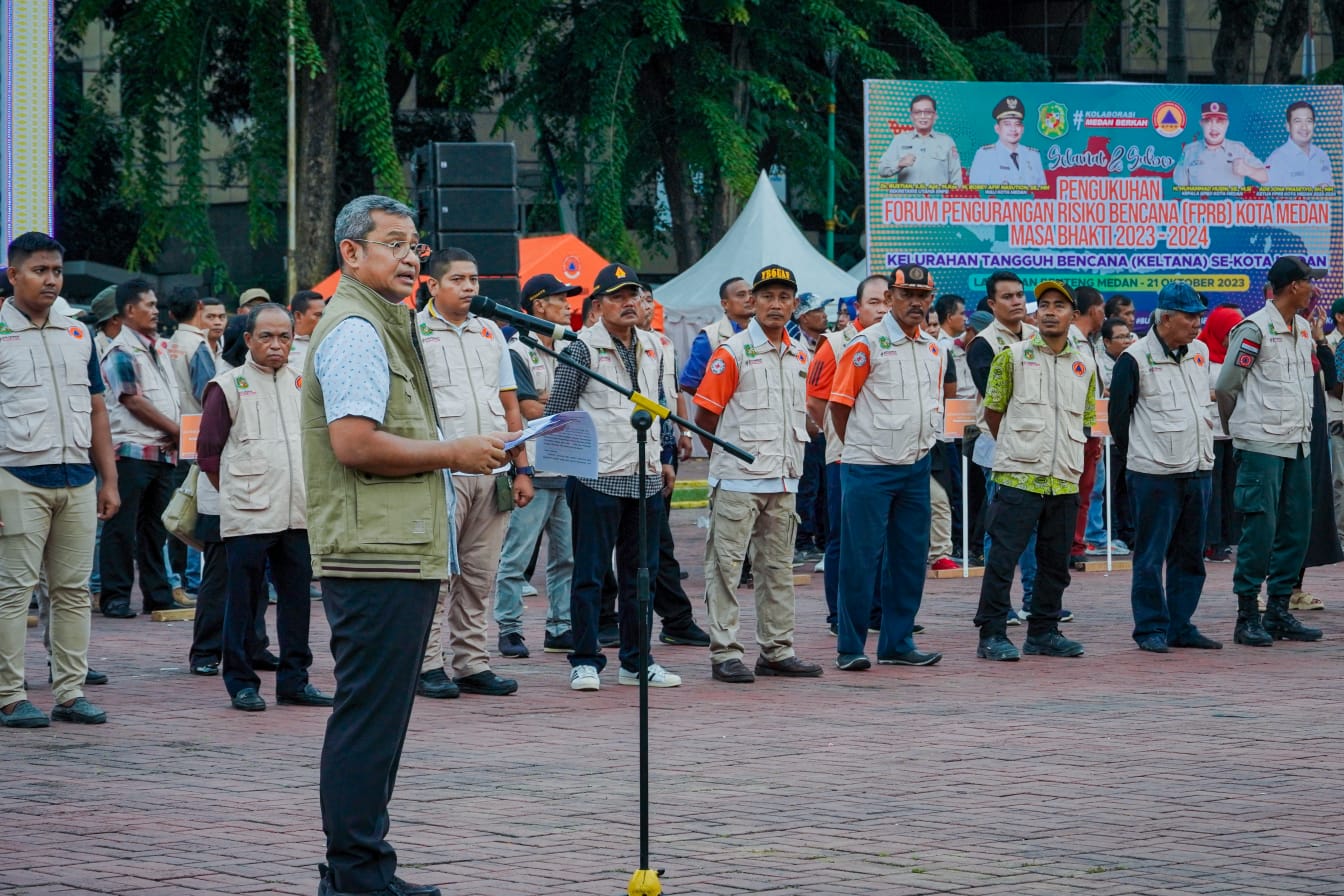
(1117, 773)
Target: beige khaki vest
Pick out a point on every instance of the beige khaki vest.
(999, 337)
(838, 341)
(261, 486)
(1275, 402)
(463, 368)
(157, 384)
(1042, 429)
(767, 413)
(898, 414)
(718, 332)
(1171, 428)
(181, 347)
(667, 354)
(617, 451)
(45, 406)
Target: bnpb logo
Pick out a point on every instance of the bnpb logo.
(1169, 119)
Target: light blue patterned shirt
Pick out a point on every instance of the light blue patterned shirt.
(351, 365)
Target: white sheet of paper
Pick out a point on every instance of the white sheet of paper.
(541, 426)
(570, 448)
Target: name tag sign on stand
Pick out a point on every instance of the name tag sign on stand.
(959, 413)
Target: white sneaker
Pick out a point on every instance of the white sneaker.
(821, 565)
(584, 678)
(529, 590)
(658, 677)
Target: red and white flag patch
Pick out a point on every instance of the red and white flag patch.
(1247, 352)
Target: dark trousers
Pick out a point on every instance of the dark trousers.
(1274, 497)
(670, 602)
(1169, 517)
(207, 633)
(603, 522)
(291, 565)
(134, 538)
(1013, 515)
(810, 486)
(1224, 525)
(379, 630)
(831, 572)
(886, 513)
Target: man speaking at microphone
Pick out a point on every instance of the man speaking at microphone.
(381, 529)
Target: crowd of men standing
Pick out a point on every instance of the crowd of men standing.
(363, 443)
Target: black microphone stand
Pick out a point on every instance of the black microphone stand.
(645, 881)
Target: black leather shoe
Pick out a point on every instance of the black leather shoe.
(118, 609)
(267, 662)
(93, 676)
(81, 711)
(789, 667)
(205, 667)
(561, 643)
(248, 700)
(732, 672)
(997, 647)
(1051, 644)
(435, 683)
(609, 636)
(691, 635)
(1154, 643)
(309, 696)
(1194, 638)
(909, 658)
(487, 684)
(397, 887)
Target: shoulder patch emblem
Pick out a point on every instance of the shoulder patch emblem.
(860, 359)
(240, 382)
(77, 332)
(1079, 368)
(933, 349)
(298, 382)
(717, 366)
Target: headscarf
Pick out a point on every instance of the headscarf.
(1219, 323)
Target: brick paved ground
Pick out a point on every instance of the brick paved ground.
(1116, 773)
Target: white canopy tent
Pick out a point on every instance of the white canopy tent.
(762, 234)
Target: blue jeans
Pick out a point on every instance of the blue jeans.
(1096, 511)
(885, 512)
(1027, 562)
(549, 512)
(1169, 519)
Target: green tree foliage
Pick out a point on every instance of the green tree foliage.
(997, 58)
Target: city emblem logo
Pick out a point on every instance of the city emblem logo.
(883, 342)
(1053, 120)
(1169, 119)
(4, 329)
(240, 382)
(424, 329)
(749, 351)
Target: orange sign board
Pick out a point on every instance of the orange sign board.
(1103, 425)
(958, 413)
(191, 430)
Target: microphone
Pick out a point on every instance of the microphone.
(483, 307)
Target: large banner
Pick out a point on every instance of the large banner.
(1118, 186)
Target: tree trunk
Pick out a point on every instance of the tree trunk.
(1236, 38)
(1334, 14)
(657, 82)
(1178, 68)
(315, 254)
(726, 205)
(1285, 38)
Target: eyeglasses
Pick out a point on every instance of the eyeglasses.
(400, 249)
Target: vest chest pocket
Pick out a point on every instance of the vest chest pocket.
(23, 429)
(403, 409)
(449, 401)
(395, 510)
(18, 369)
(81, 405)
(1027, 439)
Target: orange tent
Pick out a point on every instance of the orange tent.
(572, 260)
(327, 286)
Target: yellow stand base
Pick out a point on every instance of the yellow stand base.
(173, 615)
(1100, 565)
(645, 883)
(976, 572)
(32, 622)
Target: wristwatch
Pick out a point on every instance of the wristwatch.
(525, 471)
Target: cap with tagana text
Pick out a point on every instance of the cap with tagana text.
(1213, 109)
(1290, 269)
(255, 294)
(773, 273)
(1008, 107)
(614, 278)
(912, 276)
(1046, 285)
(1180, 296)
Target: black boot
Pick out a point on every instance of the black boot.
(1283, 625)
(1249, 631)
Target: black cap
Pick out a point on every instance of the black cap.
(1214, 108)
(1291, 268)
(548, 285)
(613, 278)
(1009, 107)
(912, 276)
(773, 273)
